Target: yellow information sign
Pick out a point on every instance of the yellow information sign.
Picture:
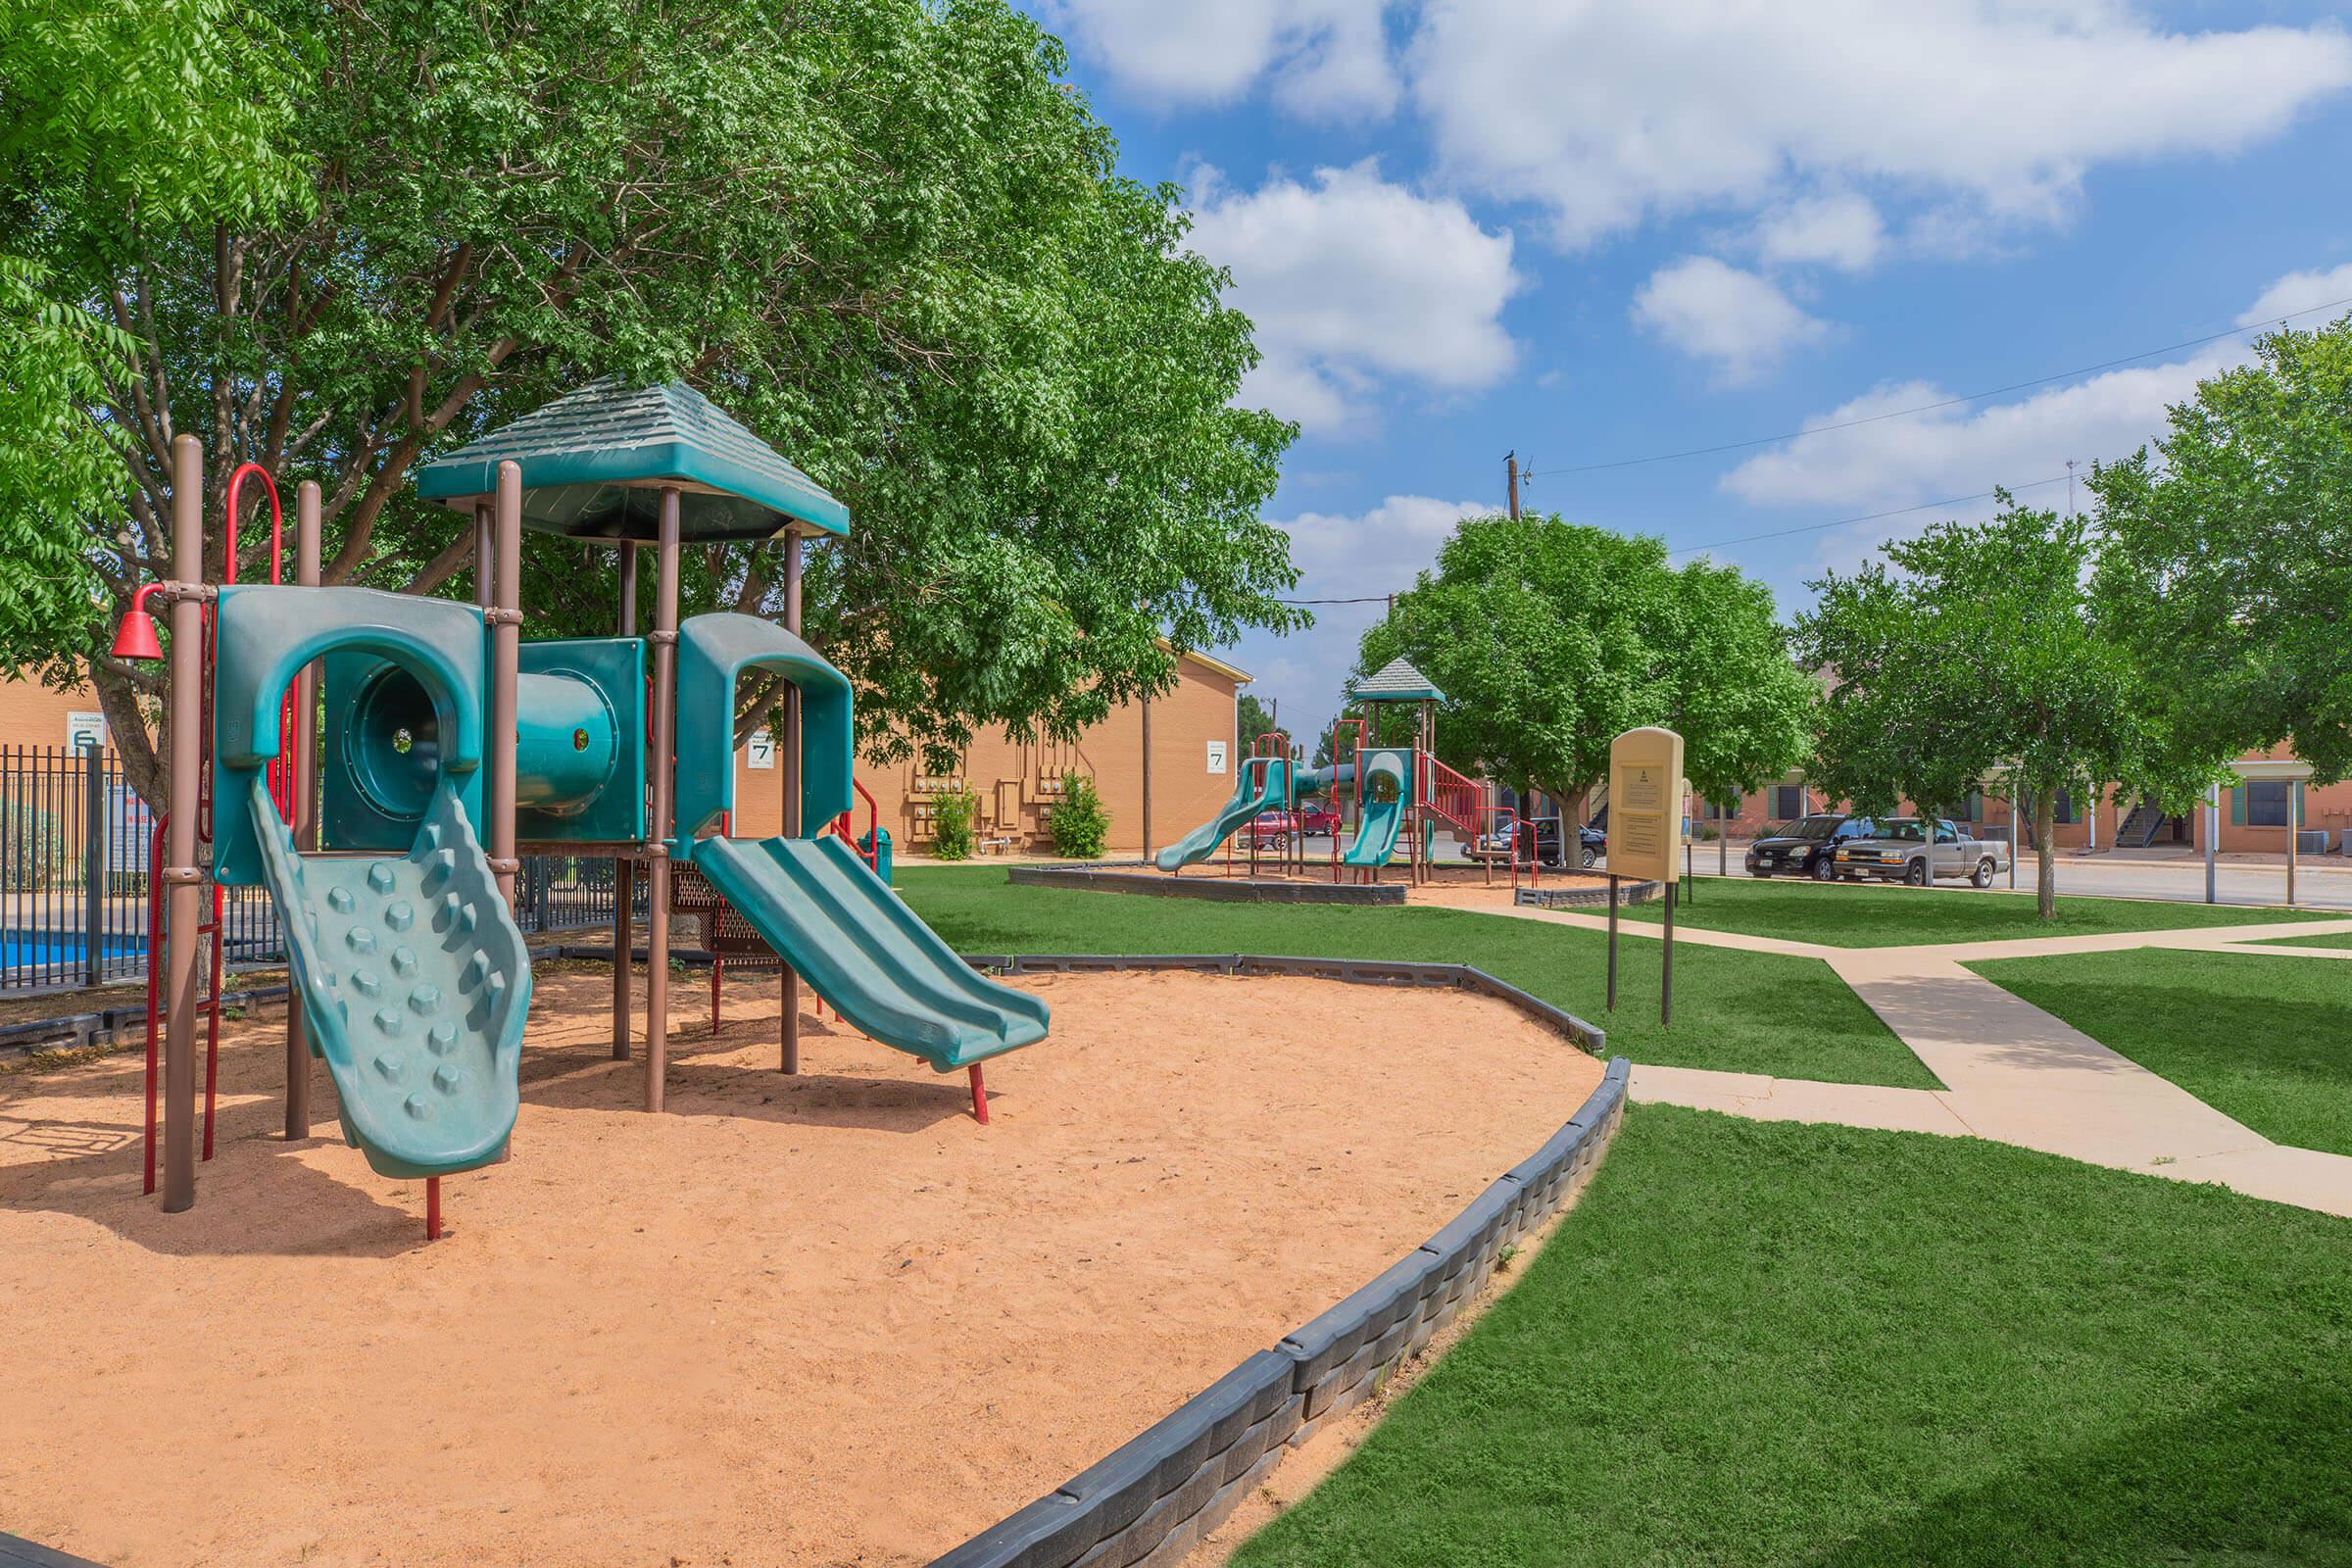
(1645, 805)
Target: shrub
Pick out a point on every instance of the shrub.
(1077, 821)
(952, 817)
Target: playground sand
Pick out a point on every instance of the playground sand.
(817, 1320)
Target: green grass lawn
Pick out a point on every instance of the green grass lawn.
(1847, 915)
(1739, 1011)
(2266, 1040)
(2333, 939)
(1775, 1344)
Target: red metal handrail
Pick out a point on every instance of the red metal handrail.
(1448, 794)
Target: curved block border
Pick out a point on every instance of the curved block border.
(1151, 1500)
(1131, 877)
(1590, 898)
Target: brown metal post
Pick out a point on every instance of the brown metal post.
(790, 985)
(1147, 759)
(659, 765)
(506, 637)
(184, 906)
(306, 809)
(625, 869)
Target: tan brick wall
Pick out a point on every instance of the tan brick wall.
(33, 714)
(1016, 783)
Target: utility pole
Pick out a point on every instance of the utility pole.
(1511, 469)
(2069, 487)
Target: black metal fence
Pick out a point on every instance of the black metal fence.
(76, 849)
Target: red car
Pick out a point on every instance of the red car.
(1319, 820)
(1271, 830)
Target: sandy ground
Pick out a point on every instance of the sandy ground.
(821, 1320)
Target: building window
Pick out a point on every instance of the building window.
(2062, 809)
(2265, 803)
(1788, 802)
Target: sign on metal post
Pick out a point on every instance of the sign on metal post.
(1645, 833)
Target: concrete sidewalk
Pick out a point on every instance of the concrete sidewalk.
(2010, 1071)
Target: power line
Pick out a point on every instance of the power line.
(1870, 517)
(1945, 402)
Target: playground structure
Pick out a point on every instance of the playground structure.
(390, 853)
(1400, 794)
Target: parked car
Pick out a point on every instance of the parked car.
(1271, 830)
(1806, 847)
(1546, 834)
(1319, 819)
(1899, 849)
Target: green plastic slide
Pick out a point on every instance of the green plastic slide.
(1260, 789)
(1376, 835)
(827, 914)
(416, 984)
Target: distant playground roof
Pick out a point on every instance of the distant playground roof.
(595, 462)
(1397, 683)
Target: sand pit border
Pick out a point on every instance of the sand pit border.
(1584, 897)
(1151, 1501)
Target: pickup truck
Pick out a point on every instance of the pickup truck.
(1898, 850)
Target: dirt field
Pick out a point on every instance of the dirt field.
(817, 1320)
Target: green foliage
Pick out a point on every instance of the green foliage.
(2227, 567)
(1985, 652)
(1077, 821)
(1253, 718)
(955, 815)
(885, 233)
(122, 122)
(1550, 639)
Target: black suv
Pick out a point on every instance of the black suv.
(1546, 831)
(1806, 847)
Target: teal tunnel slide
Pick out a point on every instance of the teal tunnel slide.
(412, 974)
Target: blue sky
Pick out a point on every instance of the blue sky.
(1594, 232)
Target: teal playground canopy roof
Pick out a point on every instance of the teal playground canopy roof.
(1397, 683)
(595, 462)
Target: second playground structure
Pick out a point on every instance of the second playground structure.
(390, 852)
(1401, 794)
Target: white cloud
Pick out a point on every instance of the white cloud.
(2300, 292)
(1712, 310)
(1838, 228)
(1346, 555)
(1865, 457)
(1608, 114)
(1329, 58)
(1350, 279)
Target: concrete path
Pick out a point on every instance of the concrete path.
(2012, 1072)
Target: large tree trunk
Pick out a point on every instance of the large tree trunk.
(2045, 853)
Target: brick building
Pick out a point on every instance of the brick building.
(1193, 763)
